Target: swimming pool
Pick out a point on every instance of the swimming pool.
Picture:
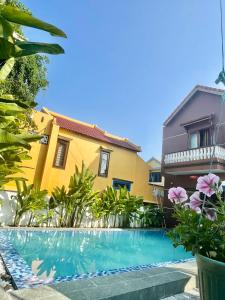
(35, 257)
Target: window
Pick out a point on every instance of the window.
(193, 141)
(204, 138)
(155, 177)
(61, 153)
(104, 163)
(118, 183)
(200, 138)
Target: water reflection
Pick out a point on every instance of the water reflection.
(53, 254)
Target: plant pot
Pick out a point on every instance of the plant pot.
(211, 274)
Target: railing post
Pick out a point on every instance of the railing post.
(195, 154)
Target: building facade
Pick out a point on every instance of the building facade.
(156, 180)
(67, 143)
(194, 139)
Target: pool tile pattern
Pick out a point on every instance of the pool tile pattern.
(23, 276)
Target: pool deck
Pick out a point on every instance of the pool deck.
(154, 284)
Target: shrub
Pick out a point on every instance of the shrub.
(29, 198)
(71, 205)
(152, 216)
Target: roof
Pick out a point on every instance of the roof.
(91, 131)
(197, 88)
(153, 159)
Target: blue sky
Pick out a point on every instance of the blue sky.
(128, 63)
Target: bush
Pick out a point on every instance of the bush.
(117, 203)
(71, 204)
(29, 198)
(152, 216)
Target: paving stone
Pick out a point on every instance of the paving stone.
(37, 293)
(107, 280)
(190, 295)
(154, 271)
(4, 295)
(148, 284)
(73, 285)
(124, 288)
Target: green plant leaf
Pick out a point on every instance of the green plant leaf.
(7, 139)
(8, 49)
(17, 16)
(20, 49)
(29, 137)
(11, 99)
(29, 48)
(6, 30)
(6, 69)
(9, 108)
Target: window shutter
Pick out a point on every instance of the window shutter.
(61, 152)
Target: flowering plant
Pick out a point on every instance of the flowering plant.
(201, 218)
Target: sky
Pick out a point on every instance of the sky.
(128, 63)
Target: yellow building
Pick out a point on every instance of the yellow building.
(67, 142)
(156, 180)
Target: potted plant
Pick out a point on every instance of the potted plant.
(201, 229)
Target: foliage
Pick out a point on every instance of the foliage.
(116, 203)
(152, 216)
(27, 77)
(201, 221)
(29, 73)
(15, 113)
(58, 203)
(71, 205)
(29, 198)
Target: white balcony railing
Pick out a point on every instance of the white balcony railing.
(195, 154)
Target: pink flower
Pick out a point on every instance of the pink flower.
(206, 184)
(210, 214)
(177, 195)
(195, 202)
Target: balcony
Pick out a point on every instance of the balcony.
(196, 161)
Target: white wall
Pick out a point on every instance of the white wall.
(7, 212)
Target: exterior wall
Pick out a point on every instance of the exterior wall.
(7, 214)
(124, 164)
(33, 168)
(175, 137)
(154, 165)
(157, 188)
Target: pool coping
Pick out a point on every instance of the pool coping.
(23, 277)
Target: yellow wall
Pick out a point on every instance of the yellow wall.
(155, 166)
(124, 164)
(32, 169)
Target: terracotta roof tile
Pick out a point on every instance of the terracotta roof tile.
(94, 133)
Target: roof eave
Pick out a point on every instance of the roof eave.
(197, 88)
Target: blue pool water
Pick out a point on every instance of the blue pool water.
(53, 254)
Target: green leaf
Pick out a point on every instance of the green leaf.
(29, 137)
(10, 99)
(6, 30)
(15, 15)
(6, 69)
(6, 120)
(20, 49)
(29, 48)
(8, 49)
(9, 108)
(7, 139)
